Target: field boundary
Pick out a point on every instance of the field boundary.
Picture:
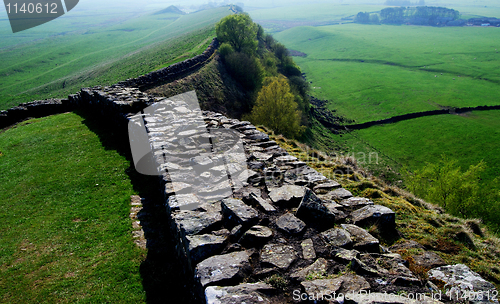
(173, 71)
(329, 123)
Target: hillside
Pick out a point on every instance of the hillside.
(216, 90)
(171, 9)
(61, 64)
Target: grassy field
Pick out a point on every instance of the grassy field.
(375, 72)
(65, 232)
(44, 63)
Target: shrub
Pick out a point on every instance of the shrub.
(225, 49)
(275, 108)
(246, 69)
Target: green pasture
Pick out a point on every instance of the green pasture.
(102, 51)
(65, 231)
(371, 72)
(469, 138)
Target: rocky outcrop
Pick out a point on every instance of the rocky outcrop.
(460, 283)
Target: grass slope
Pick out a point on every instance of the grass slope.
(56, 65)
(64, 227)
(454, 239)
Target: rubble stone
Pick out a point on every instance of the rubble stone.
(384, 217)
(280, 256)
(291, 224)
(226, 268)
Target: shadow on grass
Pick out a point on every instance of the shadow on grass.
(161, 272)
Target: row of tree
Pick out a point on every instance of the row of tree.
(264, 68)
(420, 15)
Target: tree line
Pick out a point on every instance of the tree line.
(420, 15)
(264, 68)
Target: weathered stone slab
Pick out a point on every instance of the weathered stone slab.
(363, 241)
(322, 290)
(326, 288)
(313, 208)
(354, 203)
(289, 195)
(277, 255)
(258, 136)
(344, 255)
(177, 188)
(237, 210)
(353, 283)
(262, 156)
(339, 194)
(262, 203)
(304, 176)
(326, 187)
(256, 235)
(183, 201)
(375, 214)
(390, 265)
(273, 177)
(223, 269)
(337, 237)
(244, 293)
(459, 279)
(283, 160)
(320, 266)
(205, 245)
(291, 224)
(308, 251)
(193, 222)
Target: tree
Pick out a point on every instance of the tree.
(239, 31)
(363, 17)
(275, 108)
(374, 19)
(245, 68)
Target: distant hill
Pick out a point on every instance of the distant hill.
(170, 10)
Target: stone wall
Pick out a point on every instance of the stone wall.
(409, 116)
(172, 72)
(38, 108)
(288, 225)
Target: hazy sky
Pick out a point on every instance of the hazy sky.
(141, 5)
